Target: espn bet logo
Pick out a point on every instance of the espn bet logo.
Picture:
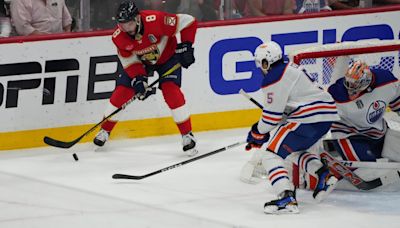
(17, 77)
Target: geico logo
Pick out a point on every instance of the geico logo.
(10, 88)
(231, 60)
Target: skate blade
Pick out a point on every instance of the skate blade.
(191, 152)
(289, 209)
(332, 182)
(97, 148)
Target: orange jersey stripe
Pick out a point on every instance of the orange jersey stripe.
(272, 118)
(282, 131)
(313, 108)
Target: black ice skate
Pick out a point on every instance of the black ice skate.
(189, 144)
(101, 137)
(326, 183)
(285, 204)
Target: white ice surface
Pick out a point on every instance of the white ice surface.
(46, 188)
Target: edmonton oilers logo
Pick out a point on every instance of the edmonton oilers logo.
(375, 111)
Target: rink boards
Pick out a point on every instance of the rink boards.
(60, 87)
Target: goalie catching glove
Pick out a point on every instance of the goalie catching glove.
(142, 90)
(185, 54)
(255, 139)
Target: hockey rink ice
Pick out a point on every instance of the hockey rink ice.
(45, 187)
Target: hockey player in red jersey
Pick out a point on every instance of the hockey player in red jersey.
(146, 43)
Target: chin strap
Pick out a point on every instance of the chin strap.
(138, 34)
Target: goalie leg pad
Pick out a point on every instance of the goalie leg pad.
(253, 171)
(391, 148)
(356, 148)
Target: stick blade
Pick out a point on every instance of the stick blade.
(124, 176)
(56, 143)
(368, 185)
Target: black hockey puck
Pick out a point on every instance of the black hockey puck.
(75, 157)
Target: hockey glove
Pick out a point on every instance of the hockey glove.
(185, 54)
(255, 139)
(139, 84)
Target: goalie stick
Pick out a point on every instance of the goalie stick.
(334, 164)
(133, 177)
(67, 144)
(329, 146)
(371, 164)
(349, 175)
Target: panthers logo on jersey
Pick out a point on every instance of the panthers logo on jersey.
(151, 56)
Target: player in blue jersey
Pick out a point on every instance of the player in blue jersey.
(300, 114)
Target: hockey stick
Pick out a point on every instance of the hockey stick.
(67, 144)
(356, 180)
(338, 167)
(133, 177)
(241, 91)
(371, 165)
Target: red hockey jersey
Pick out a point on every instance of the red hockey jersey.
(158, 42)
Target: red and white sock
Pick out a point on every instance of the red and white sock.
(175, 100)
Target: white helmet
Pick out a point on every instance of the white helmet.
(266, 54)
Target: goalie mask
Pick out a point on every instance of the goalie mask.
(357, 78)
(267, 54)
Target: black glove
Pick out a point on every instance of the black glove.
(139, 84)
(185, 55)
(255, 139)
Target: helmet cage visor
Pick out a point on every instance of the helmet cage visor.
(357, 78)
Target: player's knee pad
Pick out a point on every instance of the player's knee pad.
(121, 95)
(173, 95)
(390, 146)
(271, 160)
